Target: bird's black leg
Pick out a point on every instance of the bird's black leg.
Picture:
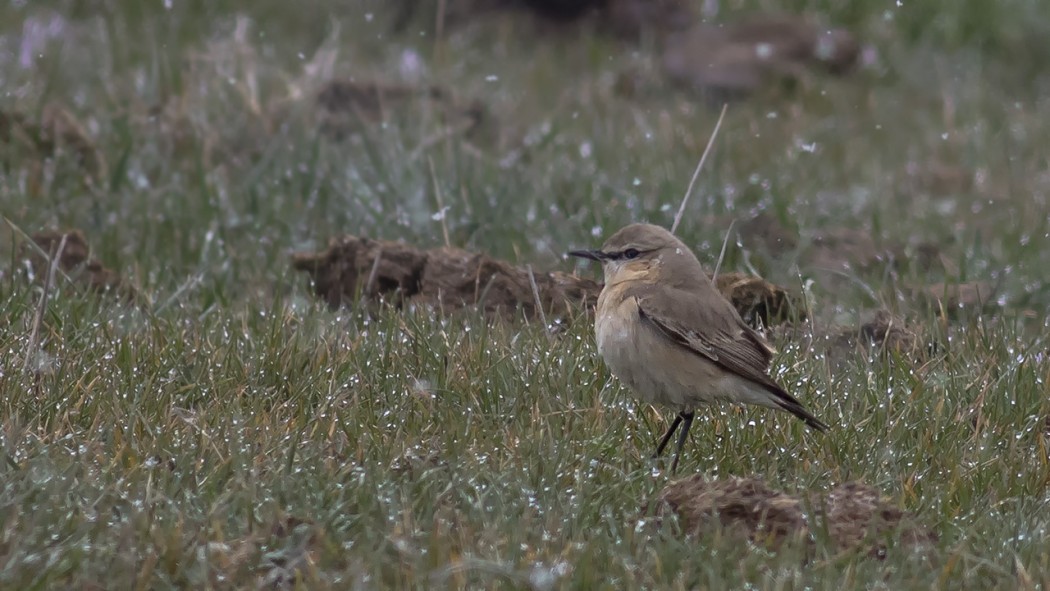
(667, 436)
(687, 418)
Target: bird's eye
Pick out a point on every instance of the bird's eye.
(631, 253)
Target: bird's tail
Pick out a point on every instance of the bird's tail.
(807, 417)
(789, 403)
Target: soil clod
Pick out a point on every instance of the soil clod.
(849, 249)
(344, 105)
(972, 295)
(765, 230)
(742, 506)
(758, 301)
(882, 332)
(75, 261)
(56, 131)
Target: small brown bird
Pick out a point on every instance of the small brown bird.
(666, 331)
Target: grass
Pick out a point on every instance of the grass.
(236, 433)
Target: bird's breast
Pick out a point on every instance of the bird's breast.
(654, 368)
(615, 328)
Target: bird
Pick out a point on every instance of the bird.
(665, 331)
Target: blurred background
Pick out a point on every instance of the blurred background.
(214, 138)
(885, 162)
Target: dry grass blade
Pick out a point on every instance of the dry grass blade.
(28, 241)
(722, 254)
(440, 202)
(699, 165)
(370, 283)
(539, 301)
(38, 318)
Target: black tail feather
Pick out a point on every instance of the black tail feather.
(789, 403)
(795, 408)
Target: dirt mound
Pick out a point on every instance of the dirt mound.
(344, 105)
(446, 278)
(854, 516)
(451, 278)
(623, 17)
(761, 232)
(628, 18)
(971, 295)
(457, 12)
(883, 332)
(75, 262)
(57, 131)
(850, 249)
(739, 58)
(743, 506)
(938, 176)
(765, 230)
(757, 300)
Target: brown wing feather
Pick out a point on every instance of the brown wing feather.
(711, 327)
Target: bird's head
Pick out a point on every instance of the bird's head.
(644, 252)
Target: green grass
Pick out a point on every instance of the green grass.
(237, 433)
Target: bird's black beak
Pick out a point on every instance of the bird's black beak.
(594, 255)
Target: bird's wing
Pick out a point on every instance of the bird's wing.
(708, 325)
(711, 328)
